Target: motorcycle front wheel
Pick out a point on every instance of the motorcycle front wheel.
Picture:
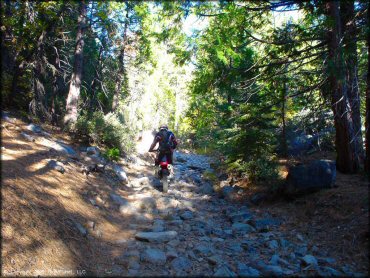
(165, 184)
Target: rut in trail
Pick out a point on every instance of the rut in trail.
(193, 231)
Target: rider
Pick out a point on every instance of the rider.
(167, 144)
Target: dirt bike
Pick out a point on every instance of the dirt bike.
(163, 171)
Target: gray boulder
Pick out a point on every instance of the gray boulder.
(121, 174)
(317, 175)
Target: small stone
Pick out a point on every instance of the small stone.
(204, 250)
(118, 199)
(214, 260)
(244, 270)
(273, 244)
(171, 255)
(173, 242)
(309, 260)
(156, 236)
(274, 260)
(81, 229)
(186, 215)
(154, 256)
(181, 264)
(242, 227)
(224, 271)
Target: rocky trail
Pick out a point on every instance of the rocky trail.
(81, 215)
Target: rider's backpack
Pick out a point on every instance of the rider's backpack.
(165, 144)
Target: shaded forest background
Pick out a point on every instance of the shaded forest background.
(242, 86)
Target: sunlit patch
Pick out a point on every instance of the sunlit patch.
(6, 157)
(37, 166)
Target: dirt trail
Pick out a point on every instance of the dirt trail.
(76, 224)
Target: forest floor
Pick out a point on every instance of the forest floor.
(68, 224)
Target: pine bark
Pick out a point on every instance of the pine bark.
(367, 116)
(347, 159)
(347, 14)
(75, 84)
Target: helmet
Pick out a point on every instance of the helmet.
(163, 127)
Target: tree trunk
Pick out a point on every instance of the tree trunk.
(347, 14)
(75, 83)
(92, 101)
(347, 159)
(284, 144)
(121, 60)
(367, 116)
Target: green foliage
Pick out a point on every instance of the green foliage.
(112, 154)
(106, 129)
(260, 170)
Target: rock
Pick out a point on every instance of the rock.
(147, 204)
(173, 242)
(274, 259)
(327, 271)
(206, 188)
(171, 255)
(270, 269)
(154, 256)
(57, 146)
(242, 217)
(317, 175)
(28, 137)
(80, 228)
(273, 244)
(186, 215)
(224, 271)
(203, 249)
(302, 250)
(91, 224)
(140, 182)
(156, 236)
(214, 260)
(326, 260)
(118, 199)
(93, 151)
(264, 224)
(235, 247)
(244, 270)
(309, 260)
(242, 227)
(121, 174)
(56, 165)
(258, 198)
(34, 128)
(181, 264)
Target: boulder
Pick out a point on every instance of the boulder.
(121, 174)
(317, 175)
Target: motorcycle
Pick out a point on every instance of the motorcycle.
(163, 172)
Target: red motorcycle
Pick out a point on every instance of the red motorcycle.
(163, 172)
